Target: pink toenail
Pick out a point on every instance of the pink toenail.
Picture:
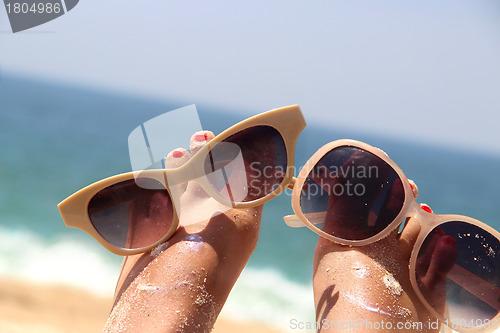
(426, 208)
(177, 154)
(201, 137)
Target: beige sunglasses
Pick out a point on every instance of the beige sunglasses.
(353, 194)
(134, 212)
(348, 192)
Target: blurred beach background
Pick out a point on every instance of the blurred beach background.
(420, 81)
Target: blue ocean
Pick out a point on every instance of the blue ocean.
(56, 138)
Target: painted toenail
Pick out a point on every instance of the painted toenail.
(201, 137)
(414, 188)
(426, 208)
(177, 154)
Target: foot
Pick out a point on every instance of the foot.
(368, 288)
(183, 284)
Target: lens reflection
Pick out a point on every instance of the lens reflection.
(247, 165)
(131, 216)
(458, 272)
(352, 194)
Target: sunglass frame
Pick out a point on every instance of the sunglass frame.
(410, 209)
(288, 121)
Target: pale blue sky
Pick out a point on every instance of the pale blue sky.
(423, 70)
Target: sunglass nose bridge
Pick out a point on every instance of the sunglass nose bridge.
(291, 184)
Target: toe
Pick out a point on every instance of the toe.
(176, 158)
(414, 188)
(412, 228)
(409, 236)
(199, 139)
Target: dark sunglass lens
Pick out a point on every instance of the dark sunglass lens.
(352, 194)
(247, 165)
(458, 273)
(131, 216)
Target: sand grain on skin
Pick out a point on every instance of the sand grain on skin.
(137, 305)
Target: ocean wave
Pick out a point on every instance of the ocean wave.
(64, 261)
(266, 296)
(260, 295)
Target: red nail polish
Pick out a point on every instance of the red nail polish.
(177, 154)
(201, 137)
(426, 208)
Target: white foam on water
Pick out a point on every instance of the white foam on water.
(65, 261)
(266, 296)
(263, 296)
